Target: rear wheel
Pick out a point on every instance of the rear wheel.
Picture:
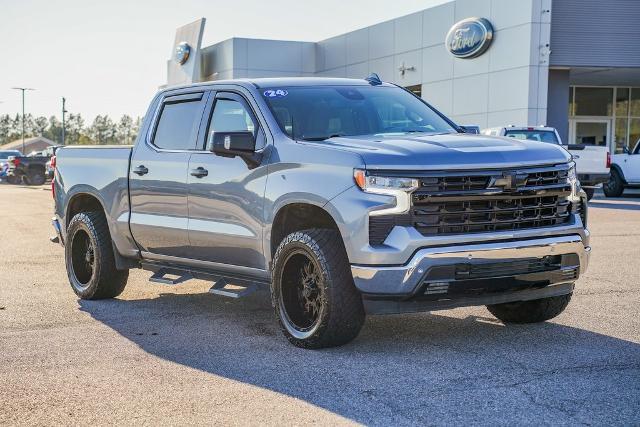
(35, 178)
(615, 186)
(534, 311)
(590, 192)
(89, 258)
(312, 290)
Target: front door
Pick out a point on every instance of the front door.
(158, 177)
(226, 194)
(632, 165)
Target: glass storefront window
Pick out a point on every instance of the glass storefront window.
(621, 135)
(593, 101)
(635, 102)
(622, 101)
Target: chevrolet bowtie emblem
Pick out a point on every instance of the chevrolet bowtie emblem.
(508, 181)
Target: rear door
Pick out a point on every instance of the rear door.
(226, 194)
(158, 176)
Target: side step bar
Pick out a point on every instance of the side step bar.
(225, 284)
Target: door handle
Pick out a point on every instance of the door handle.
(141, 170)
(199, 172)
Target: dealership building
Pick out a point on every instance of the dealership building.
(571, 64)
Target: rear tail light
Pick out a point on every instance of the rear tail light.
(15, 162)
(53, 162)
(53, 188)
(608, 160)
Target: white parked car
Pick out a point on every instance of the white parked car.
(625, 172)
(592, 161)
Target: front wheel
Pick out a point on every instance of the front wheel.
(91, 266)
(312, 290)
(590, 192)
(14, 180)
(615, 186)
(534, 311)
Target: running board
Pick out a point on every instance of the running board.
(220, 288)
(160, 276)
(224, 284)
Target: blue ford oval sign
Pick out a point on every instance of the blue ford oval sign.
(469, 38)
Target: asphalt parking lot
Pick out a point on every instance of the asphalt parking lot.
(178, 355)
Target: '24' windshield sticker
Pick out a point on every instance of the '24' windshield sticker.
(277, 93)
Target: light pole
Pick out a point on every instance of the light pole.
(23, 89)
(63, 113)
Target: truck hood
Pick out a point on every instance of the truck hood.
(447, 151)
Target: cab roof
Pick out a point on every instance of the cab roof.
(277, 82)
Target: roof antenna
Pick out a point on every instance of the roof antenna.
(374, 79)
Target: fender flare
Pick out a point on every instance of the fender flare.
(619, 170)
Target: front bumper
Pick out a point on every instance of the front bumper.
(476, 274)
(592, 179)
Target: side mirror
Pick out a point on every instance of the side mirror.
(470, 129)
(231, 144)
(625, 149)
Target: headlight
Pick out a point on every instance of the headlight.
(572, 178)
(571, 174)
(391, 186)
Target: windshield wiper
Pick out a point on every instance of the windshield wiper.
(321, 138)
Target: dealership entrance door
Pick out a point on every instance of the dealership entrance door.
(590, 132)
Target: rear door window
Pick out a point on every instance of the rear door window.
(177, 126)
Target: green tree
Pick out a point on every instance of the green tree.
(102, 130)
(124, 131)
(5, 128)
(74, 128)
(39, 126)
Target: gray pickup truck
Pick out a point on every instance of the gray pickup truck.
(345, 197)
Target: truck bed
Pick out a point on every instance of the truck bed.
(101, 171)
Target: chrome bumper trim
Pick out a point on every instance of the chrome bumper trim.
(405, 279)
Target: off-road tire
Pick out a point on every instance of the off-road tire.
(14, 180)
(104, 280)
(590, 192)
(534, 311)
(615, 186)
(341, 314)
(35, 178)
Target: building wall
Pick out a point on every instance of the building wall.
(596, 33)
(558, 102)
(249, 58)
(505, 85)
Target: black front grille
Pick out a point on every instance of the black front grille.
(434, 217)
(511, 268)
(483, 201)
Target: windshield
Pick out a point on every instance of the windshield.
(4, 155)
(534, 135)
(321, 112)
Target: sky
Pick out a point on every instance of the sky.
(109, 57)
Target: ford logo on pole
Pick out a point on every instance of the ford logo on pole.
(469, 38)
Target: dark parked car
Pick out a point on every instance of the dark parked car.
(33, 170)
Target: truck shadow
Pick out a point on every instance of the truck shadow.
(630, 204)
(407, 369)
